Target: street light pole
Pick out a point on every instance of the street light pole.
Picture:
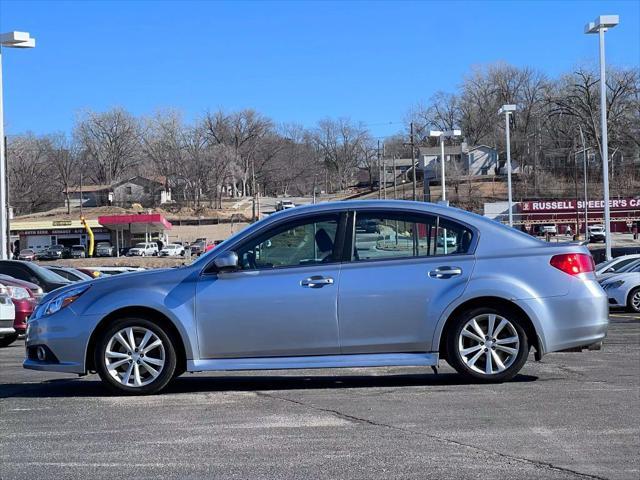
(600, 26)
(507, 110)
(442, 136)
(11, 40)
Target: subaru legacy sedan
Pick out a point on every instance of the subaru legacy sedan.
(345, 284)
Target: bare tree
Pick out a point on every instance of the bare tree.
(109, 143)
(65, 159)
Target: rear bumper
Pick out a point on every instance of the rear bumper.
(578, 319)
(6, 331)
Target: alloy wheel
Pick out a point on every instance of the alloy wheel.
(135, 356)
(488, 344)
(635, 301)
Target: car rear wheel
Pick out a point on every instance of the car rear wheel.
(8, 340)
(634, 300)
(135, 357)
(487, 344)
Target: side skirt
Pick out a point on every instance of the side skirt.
(320, 361)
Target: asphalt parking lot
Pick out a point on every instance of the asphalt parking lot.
(574, 415)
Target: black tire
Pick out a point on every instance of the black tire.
(8, 340)
(630, 306)
(455, 359)
(168, 369)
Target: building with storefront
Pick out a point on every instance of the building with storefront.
(120, 230)
(40, 234)
(563, 213)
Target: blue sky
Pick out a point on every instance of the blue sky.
(293, 61)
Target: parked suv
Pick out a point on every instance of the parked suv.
(54, 252)
(143, 250)
(597, 233)
(105, 249)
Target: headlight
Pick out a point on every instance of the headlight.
(616, 284)
(59, 301)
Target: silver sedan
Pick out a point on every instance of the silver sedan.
(347, 284)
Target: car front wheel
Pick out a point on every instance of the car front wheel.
(487, 344)
(634, 300)
(135, 357)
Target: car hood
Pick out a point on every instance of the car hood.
(633, 277)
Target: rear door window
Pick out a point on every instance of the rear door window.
(394, 235)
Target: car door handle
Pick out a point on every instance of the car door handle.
(445, 272)
(317, 281)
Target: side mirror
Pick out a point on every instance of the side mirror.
(227, 262)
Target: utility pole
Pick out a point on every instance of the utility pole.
(413, 162)
(379, 173)
(395, 177)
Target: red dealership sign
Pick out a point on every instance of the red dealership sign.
(570, 205)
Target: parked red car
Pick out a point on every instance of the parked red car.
(25, 297)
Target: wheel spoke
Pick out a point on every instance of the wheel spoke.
(496, 358)
(475, 358)
(153, 345)
(145, 339)
(488, 367)
(491, 325)
(473, 336)
(469, 350)
(510, 351)
(136, 375)
(506, 341)
(114, 365)
(127, 375)
(501, 325)
(123, 342)
(154, 373)
(111, 354)
(153, 361)
(132, 340)
(477, 328)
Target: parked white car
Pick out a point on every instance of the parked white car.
(172, 250)
(616, 264)
(284, 205)
(7, 316)
(623, 289)
(143, 250)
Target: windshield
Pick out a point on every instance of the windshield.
(50, 276)
(26, 251)
(78, 248)
(141, 245)
(57, 247)
(630, 268)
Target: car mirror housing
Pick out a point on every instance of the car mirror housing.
(226, 262)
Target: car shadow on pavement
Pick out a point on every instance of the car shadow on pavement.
(71, 387)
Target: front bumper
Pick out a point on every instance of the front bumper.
(66, 335)
(578, 319)
(617, 297)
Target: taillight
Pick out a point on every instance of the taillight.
(573, 263)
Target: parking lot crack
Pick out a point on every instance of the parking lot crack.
(366, 421)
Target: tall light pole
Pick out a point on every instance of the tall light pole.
(599, 26)
(10, 40)
(508, 110)
(442, 136)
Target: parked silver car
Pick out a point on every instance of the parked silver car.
(316, 287)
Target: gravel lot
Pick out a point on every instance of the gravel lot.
(574, 415)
